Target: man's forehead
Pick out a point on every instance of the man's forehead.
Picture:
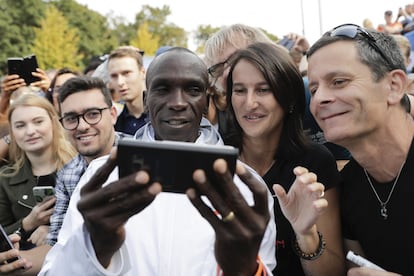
(83, 100)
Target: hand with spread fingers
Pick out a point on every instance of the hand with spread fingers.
(107, 209)
(16, 267)
(240, 228)
(304, 202)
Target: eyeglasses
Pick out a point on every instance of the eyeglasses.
(92, 117)
(217, 70)
(352, 30)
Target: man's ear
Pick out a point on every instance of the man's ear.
(398, 86)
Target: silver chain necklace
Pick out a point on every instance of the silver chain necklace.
(383, 210)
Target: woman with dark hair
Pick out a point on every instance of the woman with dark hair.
(61, 76)
(267, 98)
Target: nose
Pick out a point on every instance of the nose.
(177, 99)
(30, 129)
(320, 98)
(120, 80)
(82, 124)
(251, 99)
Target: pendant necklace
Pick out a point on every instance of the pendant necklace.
(383, 210)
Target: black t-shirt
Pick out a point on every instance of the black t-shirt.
(316, 159)
(388, 243)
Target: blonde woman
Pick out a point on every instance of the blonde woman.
(38, 148)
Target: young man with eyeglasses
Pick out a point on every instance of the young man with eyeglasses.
(88, 116)
(358, 85)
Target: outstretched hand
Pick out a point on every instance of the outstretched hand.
(106, 209)
(240, 228)
(304, 202)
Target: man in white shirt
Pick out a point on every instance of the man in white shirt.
(130, 228)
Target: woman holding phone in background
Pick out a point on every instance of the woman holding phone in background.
(38, 148)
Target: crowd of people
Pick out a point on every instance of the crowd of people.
(324, 134)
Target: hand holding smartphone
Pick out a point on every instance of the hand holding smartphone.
(172, 163)
(23, 66)
(6, 244)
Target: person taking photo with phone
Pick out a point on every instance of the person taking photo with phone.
(38, 148)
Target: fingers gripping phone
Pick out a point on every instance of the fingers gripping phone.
(23, 66)
(5, 244)
(172, 163)
(41, 193)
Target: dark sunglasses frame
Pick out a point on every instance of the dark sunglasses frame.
(217, 70)
(352, 30)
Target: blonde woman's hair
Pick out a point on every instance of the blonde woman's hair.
(236, 35)
(61, 147)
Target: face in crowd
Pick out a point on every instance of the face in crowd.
(177, 81)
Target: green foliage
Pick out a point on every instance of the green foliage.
(56, 43)
(158, 26)
(202, 33)
(17, 19)
(145, 40)
(95, 36)
(80, 33)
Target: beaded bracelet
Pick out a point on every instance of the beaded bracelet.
(313, 255)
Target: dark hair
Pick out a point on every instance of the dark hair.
(62, 71)
(84, 83)
(369, 56)
(286, 83)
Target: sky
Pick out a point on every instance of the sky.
(310, 18)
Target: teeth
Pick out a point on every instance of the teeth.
(252, 117)
(85, 138)
(175, 122)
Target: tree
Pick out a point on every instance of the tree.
(202, 33)
(17, 19)
(158, 26)
(95, 36)
(56, 43)
(145, 41)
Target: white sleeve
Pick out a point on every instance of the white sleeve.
(77, 257)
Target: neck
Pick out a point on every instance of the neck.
(135, 107)
(42, 164)
(382, 154)
(258, 154)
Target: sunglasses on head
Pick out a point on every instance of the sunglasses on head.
(352, 30)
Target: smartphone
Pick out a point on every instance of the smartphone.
(40, 193)
(287, 43)
(172, 163)
(5, 244)
(23, 66)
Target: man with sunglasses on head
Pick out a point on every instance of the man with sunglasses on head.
(358, 85)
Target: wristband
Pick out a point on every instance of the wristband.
(310, 256)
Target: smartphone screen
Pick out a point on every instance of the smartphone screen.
(5, 244)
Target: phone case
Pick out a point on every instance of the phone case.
(5, 244)
(172, 163)
(23, 66)
(41, 192)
